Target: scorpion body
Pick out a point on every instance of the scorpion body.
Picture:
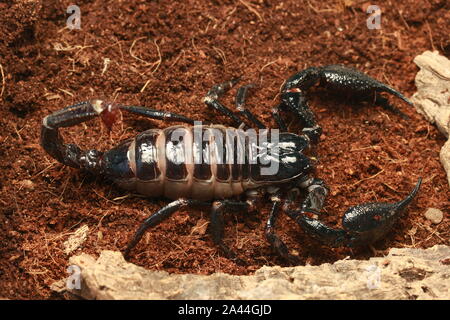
(194, 165)
(174, 163)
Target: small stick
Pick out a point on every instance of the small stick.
(157, 63)
(249, 7)
(403, 19)
(3, 80)
(368, 178)
(133, 55)
(145, 85)
(65, 91)
(221, 55)
(431, 37)
(268, 64)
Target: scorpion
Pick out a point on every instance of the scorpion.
(155, 163)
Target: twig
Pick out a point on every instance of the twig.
(365, 148)
(3, 80)
(317, 11)
(431, 36)
(17, 132)
(157, 63)
(106, 62)
(133, 55)
(384, 183)
(145, 85)
(65, 91)
(120, 48)
(403, 19)
(268, 64)
(58, 47)
(221, 55)
(368, 178)
(178, 58)
(249, 7)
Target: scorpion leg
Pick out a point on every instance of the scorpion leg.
(211, 100)
(158, 217)
(276, 115)
(276, 243)
(155, 114)
(240, 101)
(313, 203)
(362, 224)
(315, 198)
(217, 222)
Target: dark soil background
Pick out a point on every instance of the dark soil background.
(166, 55)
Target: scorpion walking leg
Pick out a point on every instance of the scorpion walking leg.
(315, 198)
(276, 243)
(276, 115)
(158, 217)
(217, 221)
(211, 100)
(240, 100)
(155, 114)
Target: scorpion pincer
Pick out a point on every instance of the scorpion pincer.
(157, 164)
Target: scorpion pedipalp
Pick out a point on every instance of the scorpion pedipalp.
(345, 80)
(362, 224)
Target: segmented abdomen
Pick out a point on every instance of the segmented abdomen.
(200, 162)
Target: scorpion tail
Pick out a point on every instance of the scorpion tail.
(71, 154)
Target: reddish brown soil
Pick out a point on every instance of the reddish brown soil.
(166, 55)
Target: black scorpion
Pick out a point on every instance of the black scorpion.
(157, 164)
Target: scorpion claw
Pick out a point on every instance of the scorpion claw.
(362, 224)
(342, 79)
(369, 222)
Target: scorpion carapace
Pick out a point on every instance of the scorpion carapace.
(192, 164)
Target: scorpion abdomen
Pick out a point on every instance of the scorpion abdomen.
(174, 163)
